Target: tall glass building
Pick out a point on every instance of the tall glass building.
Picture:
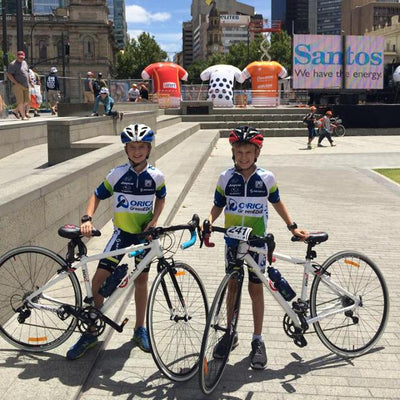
(46, 6)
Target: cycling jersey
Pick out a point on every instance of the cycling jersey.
(246, 203)
(133, 195)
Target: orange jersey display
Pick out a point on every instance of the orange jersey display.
(166, 79)
(264, 81)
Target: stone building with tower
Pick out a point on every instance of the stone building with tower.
(76, 39)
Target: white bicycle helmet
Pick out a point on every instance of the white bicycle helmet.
(53, 70)
(104, 90)
(137, 133)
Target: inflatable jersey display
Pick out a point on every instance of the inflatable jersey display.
(264, 82)
(222, 81)
(166, 77)
(396, 75)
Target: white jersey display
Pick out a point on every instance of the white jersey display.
(396, 74)
(222, 81)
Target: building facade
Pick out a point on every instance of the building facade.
(231, 31)
(75, 39)
(391, 33)
(360, 16)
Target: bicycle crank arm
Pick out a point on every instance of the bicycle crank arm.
(118, 328)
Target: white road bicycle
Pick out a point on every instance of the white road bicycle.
(348, 303)
(41, 298)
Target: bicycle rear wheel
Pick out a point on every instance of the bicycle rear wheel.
(22, 271)
(354, 332)
(175, 332)
(340, 130)
(212, 365)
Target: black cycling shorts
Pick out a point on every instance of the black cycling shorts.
(119, 240)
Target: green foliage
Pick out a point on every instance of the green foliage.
(138, 54)
(281, 49)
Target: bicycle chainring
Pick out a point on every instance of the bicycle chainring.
(89, 318)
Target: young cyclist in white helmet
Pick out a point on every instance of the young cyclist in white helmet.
(138, 183)
(108, 102)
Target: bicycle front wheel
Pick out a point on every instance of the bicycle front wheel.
(212, 360)
(353, 332)
(176, 319)
(22, 271)
(340, 130)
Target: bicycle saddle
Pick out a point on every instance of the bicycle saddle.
(317, 238)
(71, 231)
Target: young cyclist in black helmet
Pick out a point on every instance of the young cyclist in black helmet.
(243, 193)
(143, 185)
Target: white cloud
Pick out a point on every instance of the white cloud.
(139, 15)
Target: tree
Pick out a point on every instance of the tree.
(281, 49)
(138, 54)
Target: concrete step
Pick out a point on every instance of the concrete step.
(281, 132)
(255, 123)
(164, 121)
(250, 110)
(169, 137)
(181, 167)
(242, 117)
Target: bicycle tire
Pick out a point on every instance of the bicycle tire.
(340, 131)
(23, 270)
(175, 343)
(360, 276)
(212, 368)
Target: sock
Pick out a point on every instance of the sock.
(259, 337)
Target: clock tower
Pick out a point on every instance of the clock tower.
(214, 31)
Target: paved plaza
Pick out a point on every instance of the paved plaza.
(329, 189)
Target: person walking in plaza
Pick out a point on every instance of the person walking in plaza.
(140, 183)
(326, 129)
(133, 93)
(35, 92)
(88, 93)
(18, 74)
(252, 186)
(309, 120)
(53, 90)
(108, 102)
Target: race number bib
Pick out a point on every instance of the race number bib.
(239, 232)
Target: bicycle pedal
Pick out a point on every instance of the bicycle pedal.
(124, 322)
(300, 341)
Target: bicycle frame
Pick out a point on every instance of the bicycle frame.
(244, 248)
(155, 252)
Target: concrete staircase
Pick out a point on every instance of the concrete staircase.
(271, 122)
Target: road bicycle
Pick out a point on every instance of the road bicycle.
(348, 303)
(337, 128)
(41, 297)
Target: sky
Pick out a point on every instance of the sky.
(163, 19)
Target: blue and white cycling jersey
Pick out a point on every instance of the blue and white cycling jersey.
(246, 203)
(133, 195)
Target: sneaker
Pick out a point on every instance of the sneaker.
(320, 145)
(121, 116)
(141, 338)
(36, 114)
(86, 342)
(258, 354)
(94, 114)
(221, 348)
(309, 147)
(333, 144)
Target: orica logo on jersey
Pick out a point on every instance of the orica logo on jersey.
(244, 207)
(133, 204)
(169, 85)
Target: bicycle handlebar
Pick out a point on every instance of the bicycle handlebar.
(208, 228)
(154, 233)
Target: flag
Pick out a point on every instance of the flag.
(208, 2)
